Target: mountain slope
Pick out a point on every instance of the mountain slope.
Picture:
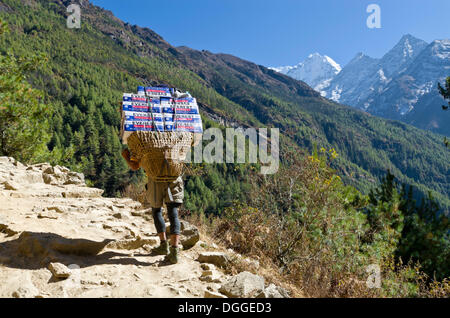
(88, 69)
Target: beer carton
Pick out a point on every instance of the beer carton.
(189, 127)
(158, 118)
(188, 118)
(127, 97)
(135, 106)
(158, 92)
(137, 116)
(138, 125)
(143, 126)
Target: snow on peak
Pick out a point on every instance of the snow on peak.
(316, 70)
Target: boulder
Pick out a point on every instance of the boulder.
(243, 285)
(273, 291)
(59, 270)
(217, 258)
(189, 234)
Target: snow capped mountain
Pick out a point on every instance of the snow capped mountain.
(412, 95)
(365, 76)
(403, 53)
(349, 86)
(317, 71)
(401, 85)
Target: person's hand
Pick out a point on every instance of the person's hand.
(134, 165)
(126, 154)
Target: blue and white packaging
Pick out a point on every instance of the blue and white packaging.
(127, 97)
(186, 101)
(169, 127)
(187, 105)
(158, 118)
(166, 101)
(154, 109)
(135, 106)
(155, 106)
(143, 126)
(138, 126)
(192, 110)
(189, 127)
(141, 90)
(188, 118)
(137, 116)
(158, 92)
(168, 110)
(168, 118)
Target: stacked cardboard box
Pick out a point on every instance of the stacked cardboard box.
(159, 109)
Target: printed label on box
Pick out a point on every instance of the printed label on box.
(168, 110)
(186, 101)
(137, 116)
(166, 101)
(189, 127)
(142, 126)
(188, 118)
(134, 98)
(158, 118)
(158, 91)
(135, 106)
(193, 110)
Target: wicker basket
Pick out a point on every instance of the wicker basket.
(161, 154)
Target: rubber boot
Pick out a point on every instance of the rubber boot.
(173, 255)
(162, 249)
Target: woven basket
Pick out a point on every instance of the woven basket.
(161, 154)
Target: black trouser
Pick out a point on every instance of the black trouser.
(172, 210)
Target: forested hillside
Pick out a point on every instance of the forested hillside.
(87, 69)
(60, 92)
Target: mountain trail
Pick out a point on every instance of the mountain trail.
(60, 238)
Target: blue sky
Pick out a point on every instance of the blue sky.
(284, 32)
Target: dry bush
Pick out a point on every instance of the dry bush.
(306, 227)
(134, 191)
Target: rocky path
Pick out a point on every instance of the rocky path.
(59, 238)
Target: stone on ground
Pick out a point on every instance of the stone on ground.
(243, 285)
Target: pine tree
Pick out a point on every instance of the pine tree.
(23, 117)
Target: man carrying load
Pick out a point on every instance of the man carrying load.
(160, 124)
(172, 194)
